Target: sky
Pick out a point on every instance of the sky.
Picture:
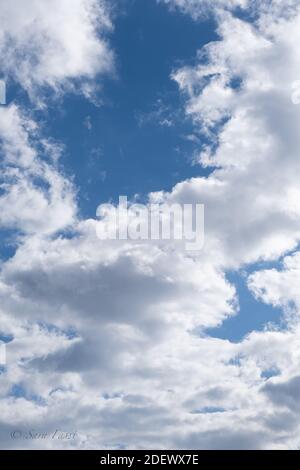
(146, 345)
(140, 105)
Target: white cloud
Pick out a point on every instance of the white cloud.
(35, 197)
(279, 287)
(269, 8)
(198, 8)
(132, 307)
(246, 81)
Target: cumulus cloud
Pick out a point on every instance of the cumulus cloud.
(57, 44)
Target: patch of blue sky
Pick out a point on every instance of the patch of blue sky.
(253, 314)
(139, 139)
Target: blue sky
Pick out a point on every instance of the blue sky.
(138, 139)
(252, 315)
(148, 345)
(130, 149)
(126, 146)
